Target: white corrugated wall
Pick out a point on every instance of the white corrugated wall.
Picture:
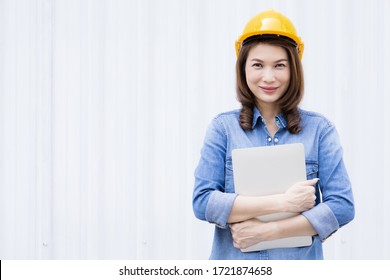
(104, 105)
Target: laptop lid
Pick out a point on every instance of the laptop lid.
(268, 170)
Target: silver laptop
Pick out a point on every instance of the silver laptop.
(270, 170)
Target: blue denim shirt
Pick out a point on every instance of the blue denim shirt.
(214, 194)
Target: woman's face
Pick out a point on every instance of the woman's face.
(267, 72)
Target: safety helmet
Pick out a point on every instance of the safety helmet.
(270, 23)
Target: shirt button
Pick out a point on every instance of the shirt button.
(276, 140)
(269, 139)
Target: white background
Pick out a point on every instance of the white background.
(104, 106)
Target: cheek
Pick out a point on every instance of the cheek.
(250, 76)
(287, 77)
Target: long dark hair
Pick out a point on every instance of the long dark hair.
(291, 98)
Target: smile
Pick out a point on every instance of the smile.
(269, 89)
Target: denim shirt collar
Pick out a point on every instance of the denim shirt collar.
(257, 115)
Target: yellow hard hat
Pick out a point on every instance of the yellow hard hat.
(272, 23)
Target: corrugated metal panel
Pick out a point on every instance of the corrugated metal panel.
(104, 105)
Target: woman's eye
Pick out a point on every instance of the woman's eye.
(257, 65)
(280, 65)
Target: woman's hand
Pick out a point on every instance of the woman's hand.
(298, 198)
(301, 196)
(250, 232)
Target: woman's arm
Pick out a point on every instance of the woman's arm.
(298, 198)
(337, 206)
(250, 232)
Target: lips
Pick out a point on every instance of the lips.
(269, 89)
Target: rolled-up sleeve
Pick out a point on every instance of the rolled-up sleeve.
(337, 206)
(210, 201)
(219, 207)
(323, 220)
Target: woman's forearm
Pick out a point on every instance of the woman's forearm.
(294, 226)
(298, 198)
(247, 207)
(252, 231)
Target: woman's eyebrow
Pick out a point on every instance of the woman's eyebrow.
(256, 59)
(282, 60)
(277, 61)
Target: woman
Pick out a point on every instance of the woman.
(270, 88)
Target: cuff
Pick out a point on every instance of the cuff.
(219, 207)
(323, 220)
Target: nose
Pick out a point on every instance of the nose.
(268, 75)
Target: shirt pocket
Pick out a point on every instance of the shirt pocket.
(311, 169)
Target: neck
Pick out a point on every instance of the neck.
(269, 111)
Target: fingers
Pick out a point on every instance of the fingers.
(234, 228)
(310, 182)
(245, 233)
(313, 201)
(301, 196)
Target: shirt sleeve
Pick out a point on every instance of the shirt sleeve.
(210, 201)
(337, 207)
